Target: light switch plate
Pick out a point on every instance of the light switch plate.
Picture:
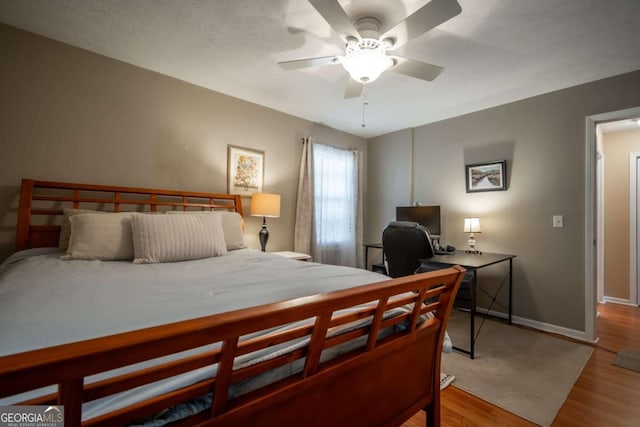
(558, 221)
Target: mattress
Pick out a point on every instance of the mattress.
(46, 301)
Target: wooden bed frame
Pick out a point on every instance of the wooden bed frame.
(42, 202)
(382, 383)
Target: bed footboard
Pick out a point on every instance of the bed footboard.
(390, 374)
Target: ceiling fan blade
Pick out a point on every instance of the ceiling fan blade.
(309, 62)
(422, 20)
(354, 89)
(417, 69)
(336, 17)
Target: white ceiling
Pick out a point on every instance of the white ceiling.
(494, 52)
(620, 125)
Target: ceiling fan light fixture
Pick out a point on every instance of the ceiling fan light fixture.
(366, 60)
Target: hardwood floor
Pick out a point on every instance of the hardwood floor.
(603, 395)
(606, 394)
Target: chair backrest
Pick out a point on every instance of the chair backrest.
(404, 244)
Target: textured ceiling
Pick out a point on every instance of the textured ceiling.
(494, 52)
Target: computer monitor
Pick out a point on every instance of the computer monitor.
(427, 216)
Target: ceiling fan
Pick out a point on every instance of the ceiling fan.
(367, 43)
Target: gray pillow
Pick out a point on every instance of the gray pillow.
(169, 238)
(232, 227)
(65, 230)
(103, 236)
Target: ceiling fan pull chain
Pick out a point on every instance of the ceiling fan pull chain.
(365, 102)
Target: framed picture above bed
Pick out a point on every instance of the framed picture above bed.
(490, 176)
(245, 170)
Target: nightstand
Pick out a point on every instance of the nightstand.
(293, 255)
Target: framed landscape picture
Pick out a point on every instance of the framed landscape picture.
(245, 170)
(490, 176)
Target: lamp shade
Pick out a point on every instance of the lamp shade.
(265, 204)
(472, 225)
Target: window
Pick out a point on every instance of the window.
(329, 207)
(335, 203)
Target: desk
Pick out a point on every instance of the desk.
(473, 262)
(367, 246)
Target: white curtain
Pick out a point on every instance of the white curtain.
(329, 209)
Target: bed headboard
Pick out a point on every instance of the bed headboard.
(42, 204)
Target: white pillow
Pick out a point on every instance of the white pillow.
(232, 227)
(168, 238)
(65, 229)
(104, 236)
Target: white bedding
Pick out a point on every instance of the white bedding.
(46, 301)
(42, 297)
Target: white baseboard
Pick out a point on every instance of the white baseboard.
(545, 327)
(493, 313)
(619, 301)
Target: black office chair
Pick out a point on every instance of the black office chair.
(404, 244)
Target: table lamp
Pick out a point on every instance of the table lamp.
(265, 205)
(472, 225)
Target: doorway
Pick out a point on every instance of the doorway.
(634, 223)
(618, 148)
(594, 239)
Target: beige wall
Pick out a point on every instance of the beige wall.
(543, 141)
(617, 148)
(71, 115)
(391, 149)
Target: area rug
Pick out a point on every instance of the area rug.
(527, 373)
(627, 358)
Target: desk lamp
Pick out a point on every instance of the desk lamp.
(472, 225)
(265, 205)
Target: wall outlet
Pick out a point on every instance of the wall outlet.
(558, 221)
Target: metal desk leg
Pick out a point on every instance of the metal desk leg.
(510, 288)
(472, 313)
(366, 257)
